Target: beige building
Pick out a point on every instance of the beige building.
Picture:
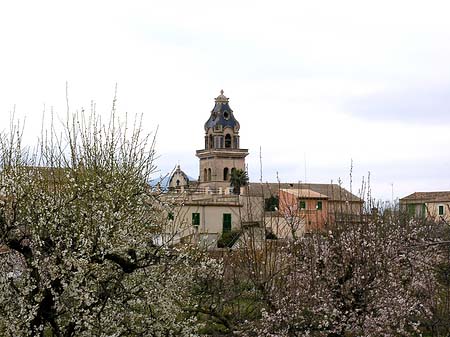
(432, 205)
(206, 209)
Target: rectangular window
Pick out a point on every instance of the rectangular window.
(226, 223)
(441, 209)
(302, 204)
(170, 216)
(196, 219)
(319, 205)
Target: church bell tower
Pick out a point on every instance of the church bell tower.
(222, 153)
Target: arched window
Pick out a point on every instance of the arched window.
(211, 141)
(209, 174)
(225, 174)
(178, 183)
(205, 175)
(227, 141)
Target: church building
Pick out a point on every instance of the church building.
(208, 208)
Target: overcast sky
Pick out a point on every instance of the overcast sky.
(315, 84)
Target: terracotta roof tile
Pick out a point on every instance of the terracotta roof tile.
(304, 193)
(333, 191)
(437, 196)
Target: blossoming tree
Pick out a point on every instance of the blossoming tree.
(79, 223)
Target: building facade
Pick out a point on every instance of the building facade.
(305, 204)
(430, 205)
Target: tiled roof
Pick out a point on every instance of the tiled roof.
(304, 193)
(439, 196)
(333, 191)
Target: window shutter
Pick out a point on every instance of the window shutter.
(196, 219)
(226, 223)
(411, 209)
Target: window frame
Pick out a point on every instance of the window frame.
(226, 222)
(195, 219)
(302, 204)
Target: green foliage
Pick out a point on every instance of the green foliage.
(271, 204)
(238, 178)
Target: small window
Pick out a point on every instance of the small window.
(319, 205)
(226, 115)
(302, 204)
(195, 219)
(225, 174)
(170, 216)
(441, 209)
(226, 226)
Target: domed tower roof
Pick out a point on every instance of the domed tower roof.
(222, 114)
